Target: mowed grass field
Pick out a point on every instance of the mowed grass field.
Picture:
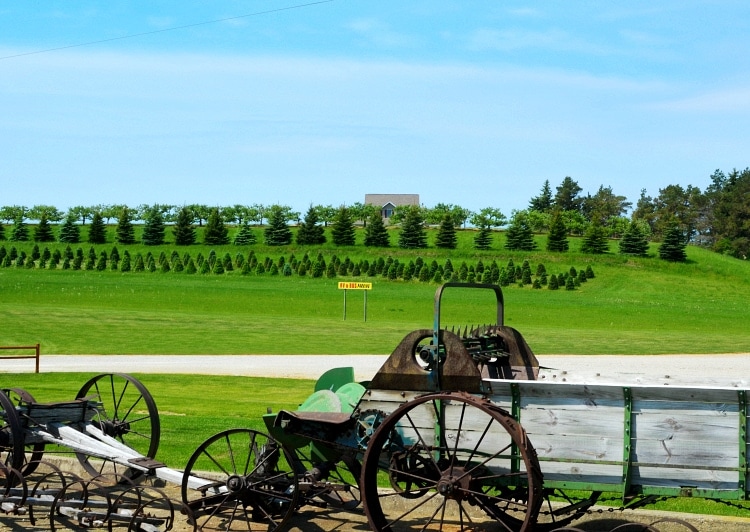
(632, 306)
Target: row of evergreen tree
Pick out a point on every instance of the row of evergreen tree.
(412, 235)
(388, 268)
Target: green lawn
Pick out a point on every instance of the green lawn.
(632, 306)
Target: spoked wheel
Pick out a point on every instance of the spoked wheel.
(34, 452)
(11, 435)
(450, 461)
(127, 413)
(239, 479)
(334, 483)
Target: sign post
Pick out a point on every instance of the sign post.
(346, 285)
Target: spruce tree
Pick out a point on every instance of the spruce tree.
(70, 232)
(20, 232)
(125, 232)
(412, 234)
(519, 236)
(595, 240)
(673, 246)
(97, 231)
(245, 236)
(483, 239)
(311, 233)
(446, 236)
(633, 241)
(557, 239)
(376, 235)
(183, 230)
(2, 232)
(342, 233)
(43, 232)
(277, 233)
(153, 229)
(216, 232)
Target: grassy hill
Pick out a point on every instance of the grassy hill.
(632, 305)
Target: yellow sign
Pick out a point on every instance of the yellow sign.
(354, 286)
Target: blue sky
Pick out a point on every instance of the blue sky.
(474, 103)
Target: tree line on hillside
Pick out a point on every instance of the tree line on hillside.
(717, 218)
(317, 267)
(412, 234)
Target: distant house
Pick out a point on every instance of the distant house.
(387, 203)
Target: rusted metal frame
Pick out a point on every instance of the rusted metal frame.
(515, 392)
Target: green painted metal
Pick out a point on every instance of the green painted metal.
(627, 450)
(743, 471)
(515, 391)
(335, 378)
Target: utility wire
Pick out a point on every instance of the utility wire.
(132, 36)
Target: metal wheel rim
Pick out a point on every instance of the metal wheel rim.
(457, 475)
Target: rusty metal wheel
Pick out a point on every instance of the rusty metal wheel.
(127, 413)
(239, 479)
(11, 435)
(34, 451)
(450, 461)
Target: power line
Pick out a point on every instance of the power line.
(132, 36)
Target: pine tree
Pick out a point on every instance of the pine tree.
(310, 233)
(2, 232)
(43, 231)
(277, 233)
(97, 231)
(20, 232)
(70, 232)
(342, 233)
(412, 234)
(216, 232)
(245, 236)
(595, 240)
(125, 232)
(376, 235)
(483, 238)
(557, 239)
(446, 237)
(183, 230)
(519, 236)
(633, 241)
(673, 246)
(153, 229)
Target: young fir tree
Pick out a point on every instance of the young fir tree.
(245, 236)
(125, 232)
(277, 233)
(557, 239)
(376, 235)
(70, 232)
(20, 232)
(97, 231)
(311, 233)
(43, 232)
(153, 228)
(216, 232)
(446, 236)
(519, 236)
(595, 240)
(483, 238)
(183, 230)
(412, 234)
(633, 241)
(673, 246)
(342, 233)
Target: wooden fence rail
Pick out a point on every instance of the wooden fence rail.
(35, 356)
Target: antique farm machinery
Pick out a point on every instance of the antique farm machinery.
(460, 429)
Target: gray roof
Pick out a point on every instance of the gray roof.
(395, 199)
